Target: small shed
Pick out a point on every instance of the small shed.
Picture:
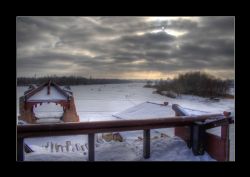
(48, 92)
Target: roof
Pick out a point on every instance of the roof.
(146, 110)
(47, 91)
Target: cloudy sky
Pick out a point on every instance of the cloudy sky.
(124, 47)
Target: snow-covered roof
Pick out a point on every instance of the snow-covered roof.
(154, 110)
(146, 110)
(43, 95)
(191, 112)
(47, 91)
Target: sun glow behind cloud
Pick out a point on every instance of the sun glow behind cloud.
(83, 52)
(171, 32)
(165, 18)
(125, 47)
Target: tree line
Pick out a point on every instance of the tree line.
(68, 80)
(194, 83)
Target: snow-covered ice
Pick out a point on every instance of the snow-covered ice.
(101, 102)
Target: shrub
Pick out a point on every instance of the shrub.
(196, 83)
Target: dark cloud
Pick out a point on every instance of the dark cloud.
(112, 46)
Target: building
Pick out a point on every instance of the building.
(48, 92)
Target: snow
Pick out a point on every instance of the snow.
(44, 156)
(43, 95)
(146, 110)
(48, 110)
(162, 149)
(174, 149)
(22, 122)
(49, 120)
(101, 102)
(232, 91)
(96, 101)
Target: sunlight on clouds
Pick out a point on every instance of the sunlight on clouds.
(83, 52)
(138, 62)
(140, 33)
(176, 33)
(171, 18)
(145, 75)
(171, 32)
(222, 73)
(116, 47)
(107, 38)
(91, 19)
(61, 63)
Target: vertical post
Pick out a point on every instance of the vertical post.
(198, 139)
(91, 143)
(224, 131)
(185, 132)
(190, 140)
(225, 137)
(49, 87)
(146, 143)
(20, 148)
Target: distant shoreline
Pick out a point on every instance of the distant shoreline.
(71, 80)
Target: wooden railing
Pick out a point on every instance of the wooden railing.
(90, 128)
(197, 138)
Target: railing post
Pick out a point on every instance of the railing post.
(190, 140)
(146, 143)
(225, 137)
(91, 144)
(20, 148)
(198, 139)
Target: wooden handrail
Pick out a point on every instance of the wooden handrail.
(35, 130)
(90, 128)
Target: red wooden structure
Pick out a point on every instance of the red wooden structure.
(200, 141)
(63, 97)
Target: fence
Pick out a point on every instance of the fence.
(90, 128)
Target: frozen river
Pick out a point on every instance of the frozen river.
(100, 102)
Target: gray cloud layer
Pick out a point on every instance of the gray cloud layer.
(124, 47)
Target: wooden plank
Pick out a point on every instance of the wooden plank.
(78, 131)
(172, 121)
(20, 149)
(217, 147)
(184, 133)
(219, 122)
(146, 143)
(225, 131)
(39, 130)
(34, 91)
(91, 145)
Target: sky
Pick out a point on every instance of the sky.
(141, 47)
